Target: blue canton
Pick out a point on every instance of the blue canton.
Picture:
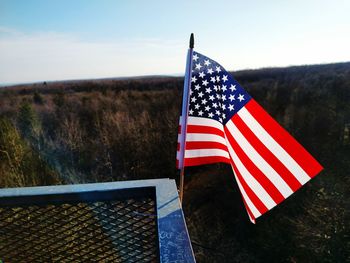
(214, 93)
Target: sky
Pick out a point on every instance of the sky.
(44, 40)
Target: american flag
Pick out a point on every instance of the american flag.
(226, 125)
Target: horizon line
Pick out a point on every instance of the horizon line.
(171, 75)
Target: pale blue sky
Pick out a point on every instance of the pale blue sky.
(75, 39)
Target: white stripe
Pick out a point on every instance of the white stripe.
(251, 181)
(204, 137)
(273, 146)
(249, 203)
(206, 153)
(204, 122)
(259, 161)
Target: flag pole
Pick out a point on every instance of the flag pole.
(184, 114)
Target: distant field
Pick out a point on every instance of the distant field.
(121, 129)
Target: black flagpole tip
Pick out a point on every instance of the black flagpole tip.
(192, 41)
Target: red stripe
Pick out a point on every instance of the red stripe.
(252, 196)
(280, 135)
(246, 206)
(254, 170)
(248, 209)
(205, 145)
(265, 153)
(191, 128)
(204, 129)
(205, 160)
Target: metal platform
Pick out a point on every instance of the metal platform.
(130, 221)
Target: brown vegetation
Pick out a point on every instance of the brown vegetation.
(108, 130)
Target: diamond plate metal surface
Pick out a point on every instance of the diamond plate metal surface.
(80, 231)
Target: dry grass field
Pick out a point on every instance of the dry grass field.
(111, 130)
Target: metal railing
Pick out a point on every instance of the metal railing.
(93, 227)
(136, 221)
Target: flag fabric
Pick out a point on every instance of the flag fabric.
(226, 125)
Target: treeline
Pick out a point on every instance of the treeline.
(100, 85)
(108, 130)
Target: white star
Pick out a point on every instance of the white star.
(204, 101)
(212, 79)
(218, 96)
(200, 94)
(210, 71)
(201, 74)
(224, 116)
(232, 97)
(223, 97)
(217, 78)
(214, 105)
(207, 108)
(194, 79)
(241, 97)
(207, 62)
(220, 119)
(197, 87)
(208, 90)
(190, 112)
(210, 115)
(195, 57)
(196, 106)
(223, 106)
(215, 88)
(211, 97)
(233, 87)
(217, 112)
(224, 78)
(205, 82)
(223, 88)
(193, 99)
(217, 69)
(200, 113)
(230, 107)
(198, 66)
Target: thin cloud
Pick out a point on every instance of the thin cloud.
(8, 31)
(45, 56)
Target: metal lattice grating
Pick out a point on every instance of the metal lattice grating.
(92, 227)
